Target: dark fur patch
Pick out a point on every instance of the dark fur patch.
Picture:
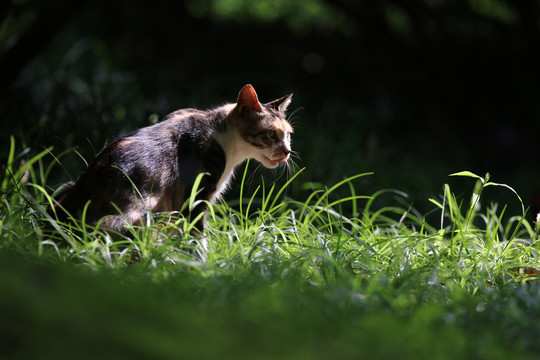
(153, 168)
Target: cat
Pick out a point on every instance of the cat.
(155, 168)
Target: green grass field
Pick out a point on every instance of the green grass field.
(338, 275)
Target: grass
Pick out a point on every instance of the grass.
(337, 275)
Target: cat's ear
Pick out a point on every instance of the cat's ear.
(247, 99)
(281, 104)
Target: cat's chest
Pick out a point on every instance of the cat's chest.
(223, 182)
(235, 153)
(231, 161)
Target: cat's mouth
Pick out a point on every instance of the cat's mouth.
(275, 162)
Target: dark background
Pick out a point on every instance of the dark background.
(412, 90)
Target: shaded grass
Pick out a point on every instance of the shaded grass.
(332, 276)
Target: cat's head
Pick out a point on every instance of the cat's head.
(264, 127)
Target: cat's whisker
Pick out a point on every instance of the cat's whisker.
(294, 162)
(252, 176)
(295, 154)
(283, 170)
(289, 171)
(293, 167)
(292, 115)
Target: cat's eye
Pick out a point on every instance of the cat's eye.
(272, 134)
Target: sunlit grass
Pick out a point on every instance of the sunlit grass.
(335, 259)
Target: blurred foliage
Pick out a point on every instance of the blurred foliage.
(57, 311)
(299, 16)
(411, 90)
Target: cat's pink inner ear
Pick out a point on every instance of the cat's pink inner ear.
(247, 98)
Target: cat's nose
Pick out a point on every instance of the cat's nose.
(285, 150)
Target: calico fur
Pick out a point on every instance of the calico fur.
(155, 168)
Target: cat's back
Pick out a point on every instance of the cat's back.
(191, 124)
(162, 138)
